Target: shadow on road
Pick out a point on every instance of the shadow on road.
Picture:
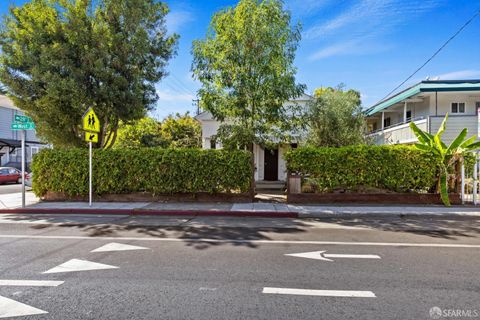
(438, 227)
(235, 232)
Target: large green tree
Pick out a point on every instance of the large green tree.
(335, 118)
(246, 67)
(59, 57)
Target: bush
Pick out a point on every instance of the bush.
(394, 168)
(159, 171)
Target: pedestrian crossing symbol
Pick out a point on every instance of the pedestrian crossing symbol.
(91, 122)
(91, 137)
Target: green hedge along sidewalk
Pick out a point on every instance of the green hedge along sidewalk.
(392, 168)
(151, 170)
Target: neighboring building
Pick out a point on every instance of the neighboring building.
(269, 164)
(426, 104)
(10, 140)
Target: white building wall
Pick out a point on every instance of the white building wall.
(445, 100)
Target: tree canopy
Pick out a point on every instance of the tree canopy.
(245, 66)
(175, 131)
(59, 57)
(335, 118)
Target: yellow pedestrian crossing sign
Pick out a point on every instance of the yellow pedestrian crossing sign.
(91, 137)
(91, 122)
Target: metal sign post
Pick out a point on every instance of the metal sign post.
(23, 168)
(22, 123)
(90, 175)
(91, 126)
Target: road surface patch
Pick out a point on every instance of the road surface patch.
(12, 308)
(113, 246)
(320, 293)
(79, 265)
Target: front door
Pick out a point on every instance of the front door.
(271, 165)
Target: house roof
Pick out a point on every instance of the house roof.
(425, 86)
(6, 102)
(205, 115)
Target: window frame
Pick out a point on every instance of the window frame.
(458, 107)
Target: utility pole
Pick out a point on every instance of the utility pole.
(196, 103)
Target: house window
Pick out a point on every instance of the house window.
(409, 116)
(458, 107)
(386, 122)
(477, 105)
(213, 144)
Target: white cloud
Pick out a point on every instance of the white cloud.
(457, 75)
(307, 7)
(367, 16)
(176, 19)
(352, 47)
(167, 95)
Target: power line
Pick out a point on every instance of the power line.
(436, 52)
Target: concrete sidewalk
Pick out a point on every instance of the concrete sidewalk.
(229, 209)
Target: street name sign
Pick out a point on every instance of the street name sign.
(22, 126)
(91, 121)
(20, 118)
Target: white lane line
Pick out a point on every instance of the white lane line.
(351, 256)
(79, 265)
(12, 308)
(340, 243)
(30, 283)
(320, 293)
(113, 246)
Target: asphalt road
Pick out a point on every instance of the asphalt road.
(214, 268)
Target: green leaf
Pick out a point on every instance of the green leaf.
(458, 141)
(421, 135)
(444, 188)
(442, 127)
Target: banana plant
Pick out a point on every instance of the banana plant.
(447, 155)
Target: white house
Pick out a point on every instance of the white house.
(269, 164)
(10, 140)
(426, 104)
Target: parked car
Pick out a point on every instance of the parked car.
(28, 179)
(10, 174)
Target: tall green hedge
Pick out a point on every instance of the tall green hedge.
(135, 170)
(395, 168)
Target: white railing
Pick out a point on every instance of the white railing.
(398, 134)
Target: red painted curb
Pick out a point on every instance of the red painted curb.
(141, 212)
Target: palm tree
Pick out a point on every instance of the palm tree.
(447, 156)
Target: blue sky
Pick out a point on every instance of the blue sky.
(369, 45)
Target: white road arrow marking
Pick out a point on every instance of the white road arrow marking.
(117, 247)
(79, 265)
(30, 283)
(321, 255)
(12, 308)
(321, 293)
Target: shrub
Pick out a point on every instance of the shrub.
(395, 168)
(154, 170)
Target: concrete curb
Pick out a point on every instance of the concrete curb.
(349, 214)
(146, 212)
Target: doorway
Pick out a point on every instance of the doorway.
(271, 165)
